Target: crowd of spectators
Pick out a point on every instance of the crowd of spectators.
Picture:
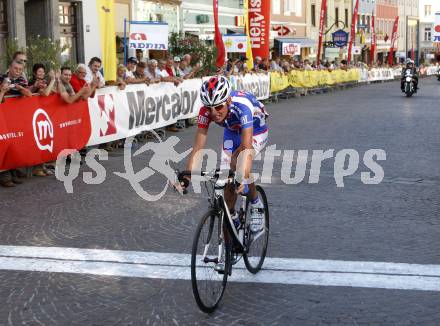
(80, 83)
(239, 66)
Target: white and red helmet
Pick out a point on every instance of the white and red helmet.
(215, 91)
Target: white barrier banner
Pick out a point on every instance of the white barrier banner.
(377, 74)
(116, 114)
(257, 84)
(432, 70)
(363, 75)
(149, 35)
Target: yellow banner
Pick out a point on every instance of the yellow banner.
(278, 82)
(107, 33)
(312, 78)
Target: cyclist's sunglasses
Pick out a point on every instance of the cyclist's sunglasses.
(218, 107)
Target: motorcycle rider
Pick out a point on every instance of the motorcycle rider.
(413, 70)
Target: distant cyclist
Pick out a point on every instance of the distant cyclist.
(244, 120)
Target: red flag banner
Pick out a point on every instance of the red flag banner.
(393, 41)
(373, 39)
(259, 27)
(218, 40)
(321, 27)
(353, 30)
(36, 129)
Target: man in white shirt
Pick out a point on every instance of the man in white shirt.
(93, 72)
(152, 71)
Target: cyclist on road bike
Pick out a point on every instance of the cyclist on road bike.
(244, 120)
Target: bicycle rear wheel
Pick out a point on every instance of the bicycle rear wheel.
(257, 243)
(208, 284)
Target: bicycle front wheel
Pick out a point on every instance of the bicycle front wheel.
(207, 279)
(257, 243)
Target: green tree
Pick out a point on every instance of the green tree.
(201, 52)
(46, 51)
(38, 50)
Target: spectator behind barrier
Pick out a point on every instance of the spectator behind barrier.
(190, 71)
(135, 74)
(4, 88)
(20, 57)
(176, 67)
(139, 55)
(39, 84)
(139, 74)
(169, 67)
(93, 72)
(78, 81)
(164, 76)
(185, 72)
(16, 82)
(131, 67)
(276, 65)
(120, 77)
(65, 89)
(153, 72)
(257, 62)
(187, 60)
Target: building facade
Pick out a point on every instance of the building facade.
(387, 11)
(288, 25)
(196, 18)
(409, 37)
(74, 23)
(367, 8)
(339, 16)
(428, 50)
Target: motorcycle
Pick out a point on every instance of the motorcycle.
(409, 88)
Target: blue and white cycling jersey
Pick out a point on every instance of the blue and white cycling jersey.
(245, 111)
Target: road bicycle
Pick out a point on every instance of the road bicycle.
(217, 241)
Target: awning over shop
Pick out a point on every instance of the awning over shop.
(303, 41)
(235, 31)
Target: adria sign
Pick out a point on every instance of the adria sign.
(43, 130)
(259, 27)
(149, 35)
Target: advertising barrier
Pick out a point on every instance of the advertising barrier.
(431, 70)
(117, 114)
(312, 78)
(36, 129)
(257, 84)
